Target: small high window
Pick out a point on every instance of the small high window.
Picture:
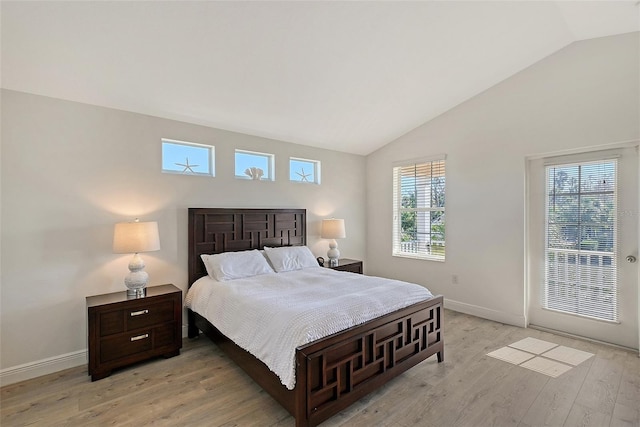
(303, 170)
(253, 165)
(187, 158)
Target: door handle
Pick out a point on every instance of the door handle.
(631, 259)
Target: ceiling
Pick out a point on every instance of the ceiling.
(347, 76)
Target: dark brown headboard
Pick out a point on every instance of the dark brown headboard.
(217, 230)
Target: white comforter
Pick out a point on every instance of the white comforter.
(272, 314)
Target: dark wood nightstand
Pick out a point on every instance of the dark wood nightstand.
(346, 264)
(124, 330)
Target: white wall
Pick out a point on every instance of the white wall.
(70, 171)
(585, 95)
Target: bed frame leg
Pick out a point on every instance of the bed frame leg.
(192, 329)
(440, 356)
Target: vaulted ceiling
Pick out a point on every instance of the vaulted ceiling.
(348, 76)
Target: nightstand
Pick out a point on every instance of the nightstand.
(124, 330)
(346, 264)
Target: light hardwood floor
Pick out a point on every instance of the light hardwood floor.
(202, 388)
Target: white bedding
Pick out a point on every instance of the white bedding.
(272, 314)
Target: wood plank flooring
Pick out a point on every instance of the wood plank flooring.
(201, 387)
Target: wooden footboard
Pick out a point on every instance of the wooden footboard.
(336, 371)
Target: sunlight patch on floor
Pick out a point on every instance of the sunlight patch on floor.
(541, 356)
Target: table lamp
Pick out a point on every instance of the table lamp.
(333, 229)
(135, 237)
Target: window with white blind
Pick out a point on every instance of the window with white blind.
(418, 210)
(581, 241)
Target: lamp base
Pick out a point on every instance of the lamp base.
(136, 280)
(136, 293)
(333, 254)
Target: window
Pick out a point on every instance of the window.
(303, 170)
(581, 243)
(187, 158)
(418, 210)
(256, 166)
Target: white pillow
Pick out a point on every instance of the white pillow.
(290, 258)
(236, 265)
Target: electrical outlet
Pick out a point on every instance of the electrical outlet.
(454, 279)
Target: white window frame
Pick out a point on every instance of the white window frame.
(211, 158)
(418, 250)
(269, 174)
(316, 170)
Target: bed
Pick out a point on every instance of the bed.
(332, 372)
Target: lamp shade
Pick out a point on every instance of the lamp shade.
(134, 237)
(333, 229)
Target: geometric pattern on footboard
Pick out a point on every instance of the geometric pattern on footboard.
(343, 368)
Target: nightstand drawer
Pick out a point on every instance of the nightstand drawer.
(148, 315)
(137, 342)
(118, 321)
(125, 345)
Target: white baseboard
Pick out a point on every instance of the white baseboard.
(580, 337)
(48, 366)
(38, 368)
(486, 313)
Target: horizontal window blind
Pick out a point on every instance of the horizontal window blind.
(581, 239)
(419, 210)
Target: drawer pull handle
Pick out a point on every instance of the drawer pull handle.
(139, 313)
(139, 337)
